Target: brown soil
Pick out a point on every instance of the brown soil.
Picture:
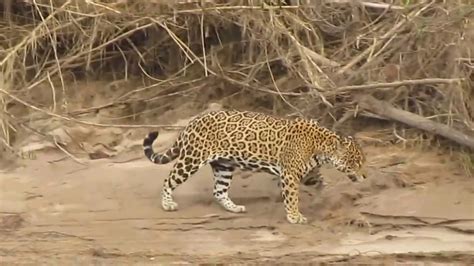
(417, 206)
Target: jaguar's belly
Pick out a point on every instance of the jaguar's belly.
(252, 164)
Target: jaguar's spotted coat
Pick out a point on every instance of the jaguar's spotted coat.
(288, 148)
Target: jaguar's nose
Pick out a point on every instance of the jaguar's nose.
(353, 178)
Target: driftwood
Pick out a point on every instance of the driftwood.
(386, 110)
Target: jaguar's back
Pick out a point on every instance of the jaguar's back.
(242, 136)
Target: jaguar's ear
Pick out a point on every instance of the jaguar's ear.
(314, 121)
(339, 143)
(351, 139)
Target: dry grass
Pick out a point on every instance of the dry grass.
(310, 59)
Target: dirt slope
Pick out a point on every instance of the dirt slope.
(416, 206)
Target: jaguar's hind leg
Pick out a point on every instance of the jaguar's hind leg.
(181, 171)
(222, 179)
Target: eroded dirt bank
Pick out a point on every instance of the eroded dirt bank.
(417, 206)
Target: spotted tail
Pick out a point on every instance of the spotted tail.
(159, 158)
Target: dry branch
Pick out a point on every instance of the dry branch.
(368, 4)
(398, 84)
(385, 109)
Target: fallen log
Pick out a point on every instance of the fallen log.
(386, 110)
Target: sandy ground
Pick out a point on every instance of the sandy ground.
(416, 207)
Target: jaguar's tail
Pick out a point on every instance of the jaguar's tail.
(159, 158)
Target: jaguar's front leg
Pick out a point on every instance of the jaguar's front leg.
(290, 193)
(313, 179)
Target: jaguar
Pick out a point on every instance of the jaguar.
(288, 148)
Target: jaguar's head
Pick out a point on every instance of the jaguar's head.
(349, 159)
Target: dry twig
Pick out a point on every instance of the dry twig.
(398, 84)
